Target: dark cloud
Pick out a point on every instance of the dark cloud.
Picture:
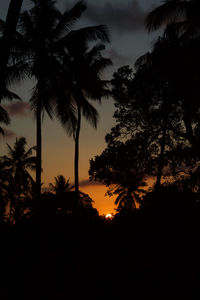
(19, 108)
(119, 16)
(9, 134)
(84, 183)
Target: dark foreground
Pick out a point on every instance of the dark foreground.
(136, 256)
(99, 262)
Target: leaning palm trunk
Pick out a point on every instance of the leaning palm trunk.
(76, 158)
(7, 39)
(38, 157)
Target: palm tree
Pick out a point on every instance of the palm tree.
(61, 186)
(128, 199)
(85, 67)
(4, 116)
(62, 190)
(44, 36)
(129, 190)
(16, 166)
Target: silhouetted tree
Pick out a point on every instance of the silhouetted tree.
(7, 39)
(61, 189)
(65, 201)
(129, 192)
(142, 115)
(81, 206)
(60, 186)
(15, 168)
(153, 109)
(8, 73)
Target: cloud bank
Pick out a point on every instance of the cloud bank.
(119, 16)
(86, 183)
(9, 134)
(117, 58)
(18, 109)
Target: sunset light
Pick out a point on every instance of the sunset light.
(109, 216)
(99, 149)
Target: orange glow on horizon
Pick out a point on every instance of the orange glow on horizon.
(109, 216)
(104, 204)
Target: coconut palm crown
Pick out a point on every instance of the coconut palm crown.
(43, 39)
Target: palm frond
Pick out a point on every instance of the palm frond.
(68, 19)
(2, 26)
(17, 73)
(89, 112)
(100, 64)
(26, 26)
(2, 132)
(4, 117)
(30, 163)
(41, 100)
(29, 152)
(169, 12)
(65, 111)
(94, 52)
(81, 36)
(97, 89)
(142, 60)
(8, 95)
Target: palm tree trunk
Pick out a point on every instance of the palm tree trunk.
(161, 158)
(76, 158)
(10, 27)
(38, 157)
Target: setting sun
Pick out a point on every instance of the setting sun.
(109, 216)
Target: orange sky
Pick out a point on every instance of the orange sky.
(104, 205)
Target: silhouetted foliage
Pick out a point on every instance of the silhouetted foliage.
(169, 209)
(67, 204)
(185, 14)
(82, 82)
(178, 51)
(7, 40)
(122, 168)
(152, 111)
(16, 181)
(61, 188)
(67, 251)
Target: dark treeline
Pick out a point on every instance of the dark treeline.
(54, 244)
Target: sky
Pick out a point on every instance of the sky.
(129, 40)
